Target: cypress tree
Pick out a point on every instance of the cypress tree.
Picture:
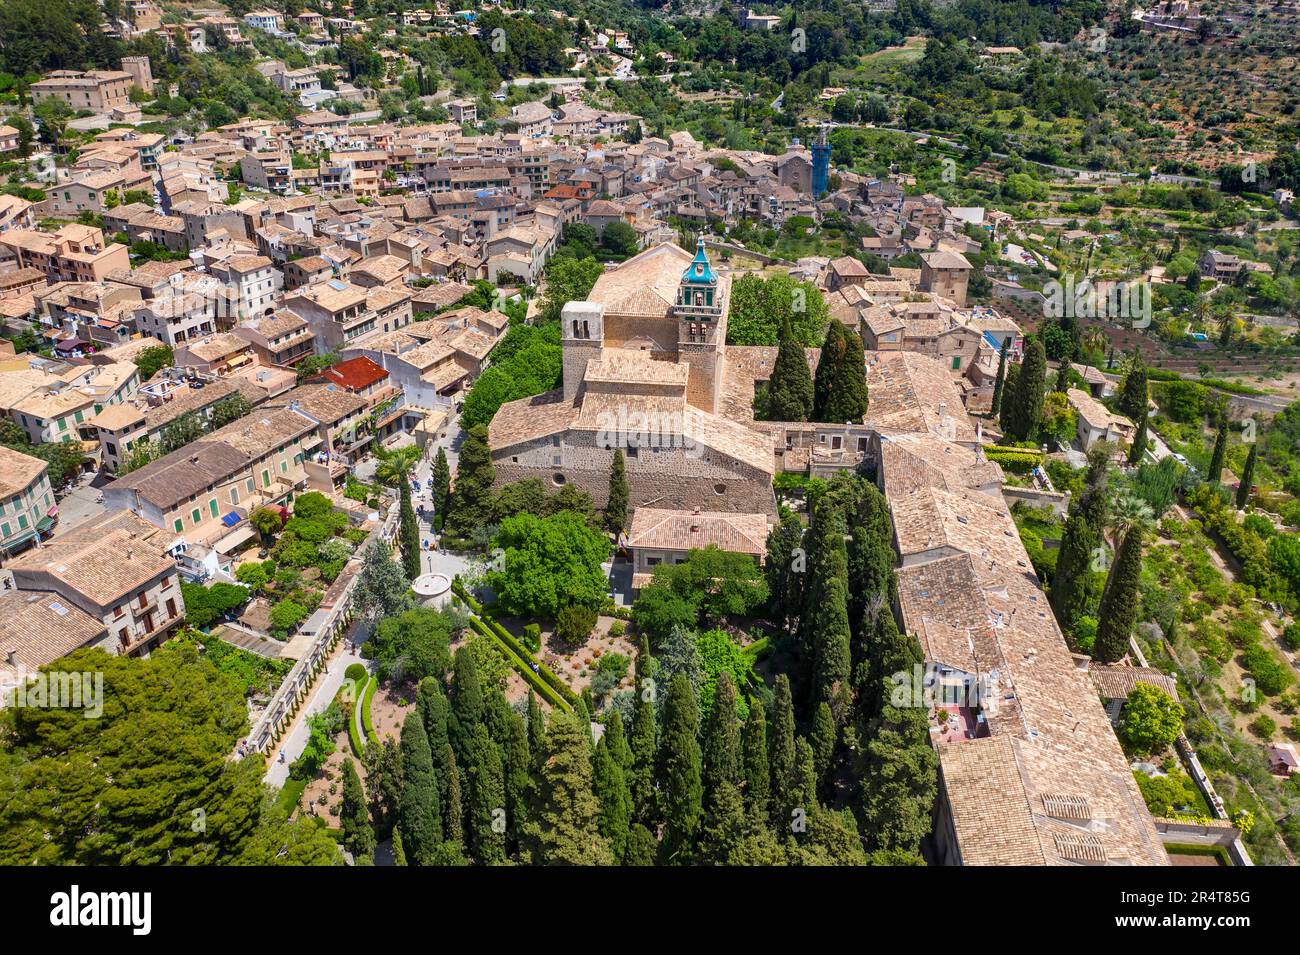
(1006, 412)
(485, 779)
(419, 813)
(563, 825)
(616, 509)
(536, 727)
(721, 750)
(790, 390)
(679, 773)
(453, 816)
(615, 801)
(822, 739)
(1133, 393)
(466, 700)
(616, 737)
(1000, 381)
(1062, 383)
(781, 752)
(758, 779)
(358, 834)
(441, 483)
(1027, 401)
(1220, 451)
(517, 762)
(1119, 602)
(726, 825)
(471, 501)
(644, 743)
(827, 631)
(1070, 583)
(848, 397)
(784, 578)
(1247, 477)
(384, 787)
(408, 532)
(641, 846)
(1139, 446)
(901, 781)
(399, 854)
(891, 652)
(828, 365)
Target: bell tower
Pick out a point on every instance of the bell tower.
(582, 338)
(701, 329)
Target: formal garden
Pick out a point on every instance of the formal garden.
(283, 576)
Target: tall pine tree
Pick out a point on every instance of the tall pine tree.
(563, 827)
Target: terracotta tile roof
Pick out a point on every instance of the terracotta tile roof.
(104, 558)
(1050, 768)
(355, 373)
(39, 628)
(1116, 682)
(18, 471)
(657, 529)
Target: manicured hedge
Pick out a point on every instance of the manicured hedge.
(354, 736)
(367, 723)
(521, 667)
(490, 627)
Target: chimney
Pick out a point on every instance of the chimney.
(12, 658)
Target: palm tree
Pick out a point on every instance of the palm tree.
(266, 521)
(396, 466)
(1126, 511)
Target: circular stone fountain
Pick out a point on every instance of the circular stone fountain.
(431, 588)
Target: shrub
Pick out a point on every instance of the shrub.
(617, 628)
(574, 623)
(256, 576)
(533, 637)
(286, 615)
(1150, 721)
(614, 664)
(1263, 726)
(1269, 673)
(205, 605)
(1291, 636)
(356, 672)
